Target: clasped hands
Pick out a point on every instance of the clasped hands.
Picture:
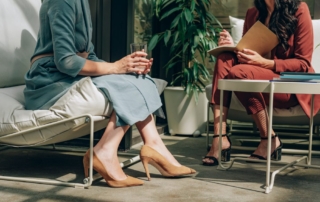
(246, 56)
(134, 63)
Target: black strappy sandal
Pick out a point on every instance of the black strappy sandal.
(276, 154)
(225, 154)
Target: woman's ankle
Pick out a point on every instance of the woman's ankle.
(105, 153)
(275, 141)
(225, 142)
(164, 152)
(214, 150)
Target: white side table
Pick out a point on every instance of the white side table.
(266, 86)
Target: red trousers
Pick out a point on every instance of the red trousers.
(227, 67)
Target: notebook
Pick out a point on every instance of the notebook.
(258, 38)
(299, 76)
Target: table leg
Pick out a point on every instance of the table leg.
(268, 188)
(208, 115)
(311, 131)
(221, 166)
(220, 125)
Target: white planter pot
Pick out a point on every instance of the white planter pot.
(184, 116)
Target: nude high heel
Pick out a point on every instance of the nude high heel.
(97, 166)
(151, 156)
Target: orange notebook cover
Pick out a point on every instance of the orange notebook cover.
(258, 38)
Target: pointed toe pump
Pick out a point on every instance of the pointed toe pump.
(151, 156)
(276, 154)
(98, 166)
(225, 154)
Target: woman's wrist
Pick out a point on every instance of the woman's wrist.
(110, 68)
(268, 64)
(113, 67)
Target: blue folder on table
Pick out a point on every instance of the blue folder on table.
(299, 76)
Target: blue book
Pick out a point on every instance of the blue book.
(299, 76)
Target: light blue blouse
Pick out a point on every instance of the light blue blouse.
(66, 29)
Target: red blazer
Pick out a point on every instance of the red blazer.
(299, 54)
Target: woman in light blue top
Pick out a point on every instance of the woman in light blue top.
(65, 31)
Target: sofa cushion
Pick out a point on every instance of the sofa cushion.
(236, 29)
(315, 56)
(81, 98)
(161, 84)
(15, 118)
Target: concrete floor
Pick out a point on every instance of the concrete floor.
(244, 182)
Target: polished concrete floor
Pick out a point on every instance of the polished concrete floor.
(244, 182)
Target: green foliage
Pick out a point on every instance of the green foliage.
(143, 20)
(191, 33)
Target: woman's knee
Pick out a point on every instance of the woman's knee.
(238, 72)
(225, 61)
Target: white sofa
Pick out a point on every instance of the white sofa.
(291, 116)
(81, 111)
(19, 22)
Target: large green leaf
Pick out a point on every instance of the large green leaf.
(188, 15)
(217, 21)
(176, 35)
(200, 33)
(188, 88)
(193, 5)
(167, 36)
(175, 48)
(191, 31)
(186, 74)
(204, 71)
(196, 41)
(202, 7)
(195, 71)
(210, 18)
(182, 28)
(202, 84)
(176, 80)
(195, 93)
(158, 7)
(166, 3)
(199, 88)
(168, 67)
(185, 46)
(153, 42)
(169, 13)
(175, 22)
(191, 78)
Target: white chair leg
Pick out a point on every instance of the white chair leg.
(87, 181)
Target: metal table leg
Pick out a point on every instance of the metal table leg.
(268, 188)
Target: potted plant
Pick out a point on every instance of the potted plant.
(190, 35)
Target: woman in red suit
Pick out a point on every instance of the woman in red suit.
(290, 20)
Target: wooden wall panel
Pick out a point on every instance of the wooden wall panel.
(101, 22)
(316, 9)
